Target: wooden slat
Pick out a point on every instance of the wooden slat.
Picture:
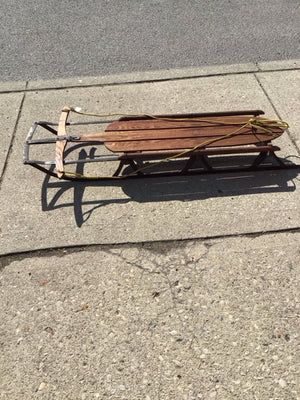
(61, 144)
(122, 125)
(163, 134)
(187, 143)
(128, 135)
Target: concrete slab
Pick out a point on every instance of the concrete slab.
(142, 76)
(12, 86)
(212, 319)
(9, 110)
(279, 65)
(283, 89)
(55, 213)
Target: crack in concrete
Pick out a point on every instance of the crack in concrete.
(133, 263)
(171, 288)
(173, 298)
(275, 109)
(8, 258)
(12, 139)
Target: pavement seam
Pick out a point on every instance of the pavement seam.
(61, 251)
(12, 139)
(139, 81)
(276, 111)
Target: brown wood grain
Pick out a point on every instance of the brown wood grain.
(186, 143)
(164, 134)
(122, 125)
(145, 134)
(156, 134)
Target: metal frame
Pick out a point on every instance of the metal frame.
(39, 164)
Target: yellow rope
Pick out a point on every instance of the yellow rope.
(264, 125)
(279, 123)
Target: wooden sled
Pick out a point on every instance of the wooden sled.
(144, 142)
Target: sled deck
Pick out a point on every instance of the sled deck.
(147, 145)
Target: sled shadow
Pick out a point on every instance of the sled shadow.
(158, 189)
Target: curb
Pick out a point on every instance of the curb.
(150, 76)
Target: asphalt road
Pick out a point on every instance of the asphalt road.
(52, 39)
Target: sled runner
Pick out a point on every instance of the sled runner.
(142, 144)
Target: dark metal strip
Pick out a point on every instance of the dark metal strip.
(197, 115)
(170, 174)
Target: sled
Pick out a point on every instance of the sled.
(141, 145)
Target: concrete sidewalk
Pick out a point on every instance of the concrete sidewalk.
(49, 213)
(190, 288)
